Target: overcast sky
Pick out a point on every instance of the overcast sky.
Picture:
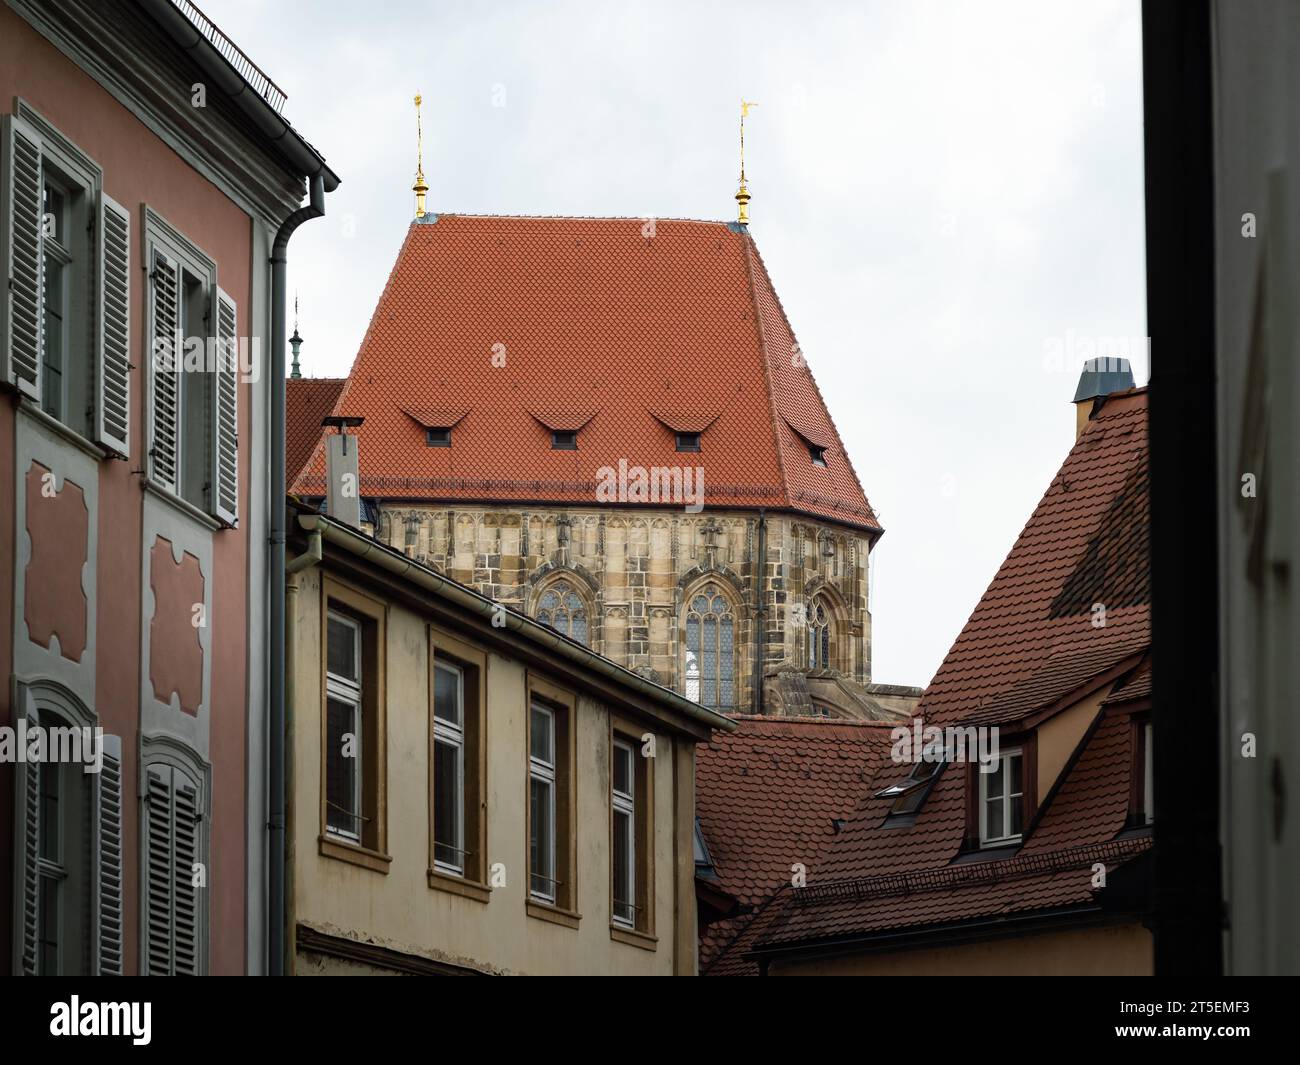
(948, 197)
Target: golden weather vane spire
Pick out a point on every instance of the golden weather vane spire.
(742, 194)
(419, 188)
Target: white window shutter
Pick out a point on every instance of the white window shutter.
(156, 896)
(173, 918)
(165, 360)
(21, 238)
(27, 850)
(113, 322)
(225, 414)
(108, 868)
(186, 926)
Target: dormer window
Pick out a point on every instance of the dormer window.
(564, 440)
(1143, 794)
(817, 454)
(1002, 800)
(437, 437)
(909, 793)
(688, 441)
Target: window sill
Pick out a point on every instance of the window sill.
(184, 506)
(457, 885)
(554, 914)
(633, 938)
(30, 408)
(331, 847)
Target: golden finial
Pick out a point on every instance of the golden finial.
(742, 194)
(419, 188)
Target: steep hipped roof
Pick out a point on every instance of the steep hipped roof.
(767, 796)
(1032, 643)
(525, 322)
(307, 401)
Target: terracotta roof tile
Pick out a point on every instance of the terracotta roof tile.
(307, 400)
(520, 315)
(1032, 640)
(767, 796)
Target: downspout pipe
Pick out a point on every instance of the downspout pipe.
(276, 913)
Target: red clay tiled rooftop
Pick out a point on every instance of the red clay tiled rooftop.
(307, 401)
(600, 328)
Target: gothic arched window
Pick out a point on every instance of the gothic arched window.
(820, 623)
(710, 659)
(562, 609)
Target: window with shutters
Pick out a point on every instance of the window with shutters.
(631, 854)
(65, 315)
(458, 767)
(174, 857)
(192, 384)
(552, 862)
(68, 854)
(353, 748)
(709, 648)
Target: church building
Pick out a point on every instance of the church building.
(607, 424)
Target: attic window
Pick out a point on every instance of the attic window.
(1002, 800)
(817, 454)
(688, 441)
(437, 437)
(564, 440)
(909, 793)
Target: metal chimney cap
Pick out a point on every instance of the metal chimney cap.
(1103, 376)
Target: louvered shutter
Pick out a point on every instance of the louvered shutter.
(165, 361)
(225, 415)
(113, 361)
(185, 898)
(173, 834)
(27, 850)
(108, 871)
(21, 236)
(158, 871)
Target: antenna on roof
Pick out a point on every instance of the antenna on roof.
(742, 194)
(419, 188)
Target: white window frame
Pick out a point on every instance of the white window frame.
(350, 691)
(622, 802)
(1148, 783)
(452, 735)
(1007, 795)
(541, 770)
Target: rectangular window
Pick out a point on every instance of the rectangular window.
(541, 803)
(623, 851)
(688, 441)
(353, 713)
(173, 902)
(1002, 805)
(817, 454)
(564, 440)
(552, 872)
(631, 847)
(458, 767)
(345, 729)
(192, 374)
(437, 437)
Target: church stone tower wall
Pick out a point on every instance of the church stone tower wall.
(635, 574)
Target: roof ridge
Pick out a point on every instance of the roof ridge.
(776, 298)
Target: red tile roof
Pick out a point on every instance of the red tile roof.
(1030, 645)
(533, 324)
(307, 400)
(767, 796)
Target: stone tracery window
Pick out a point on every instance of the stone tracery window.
(563, 609)
(709, 654)
(820, 636)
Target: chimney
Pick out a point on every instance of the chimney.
(1100, 378)
(342, 471)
